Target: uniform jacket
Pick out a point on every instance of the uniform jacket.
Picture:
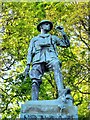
(42, 48)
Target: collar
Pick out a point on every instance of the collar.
(44, 35)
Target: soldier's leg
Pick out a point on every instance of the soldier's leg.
(35, 76)
(55, 65)
(35, 90)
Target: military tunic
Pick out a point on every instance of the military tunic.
(42, 48)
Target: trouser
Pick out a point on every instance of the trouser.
(37, 73)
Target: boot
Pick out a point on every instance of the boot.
(35, 91)
(64, 92)
(59, 83)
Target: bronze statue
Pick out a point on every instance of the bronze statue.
(43, 55)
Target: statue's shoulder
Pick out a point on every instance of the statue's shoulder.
(35, 38)
(54, 37)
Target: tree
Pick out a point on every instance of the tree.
(19, 22)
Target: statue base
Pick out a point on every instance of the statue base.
(57, 109)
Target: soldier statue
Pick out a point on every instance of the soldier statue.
(43, 55)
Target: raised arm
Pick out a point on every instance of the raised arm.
(64, 42)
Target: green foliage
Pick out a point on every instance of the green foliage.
(20, 27)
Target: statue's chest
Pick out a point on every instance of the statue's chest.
(42, 41)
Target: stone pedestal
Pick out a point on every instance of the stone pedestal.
(57, 109)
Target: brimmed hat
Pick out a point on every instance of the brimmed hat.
(44, 21)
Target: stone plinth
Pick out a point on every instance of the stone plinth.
(57, 109)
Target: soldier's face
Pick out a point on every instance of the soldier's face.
(46, 26)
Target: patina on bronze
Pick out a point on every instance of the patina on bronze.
(43, 55)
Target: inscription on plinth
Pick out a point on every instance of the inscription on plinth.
(48, 110)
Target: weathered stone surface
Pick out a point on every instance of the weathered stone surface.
(48, 110)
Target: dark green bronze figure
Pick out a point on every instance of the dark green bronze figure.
(43, 56)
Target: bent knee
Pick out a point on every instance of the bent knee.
(56, 64)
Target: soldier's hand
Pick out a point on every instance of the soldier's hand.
(59, 28)
(27, 70)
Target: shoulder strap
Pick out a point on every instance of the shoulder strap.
(52, 42)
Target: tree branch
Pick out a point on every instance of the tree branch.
(84, 41)
(84, 25)
(50, 80)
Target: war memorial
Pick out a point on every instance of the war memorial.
(43, 56)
